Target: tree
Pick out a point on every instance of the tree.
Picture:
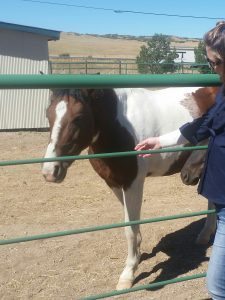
(157, 57)
(200, 58)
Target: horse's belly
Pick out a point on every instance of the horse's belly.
(165, 163)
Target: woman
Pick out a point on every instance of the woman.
(212, 182)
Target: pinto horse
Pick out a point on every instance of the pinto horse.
(115, 120)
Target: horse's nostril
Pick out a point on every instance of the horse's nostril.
(49, 177)
(56, 171)
(195, 181)
(184, 177)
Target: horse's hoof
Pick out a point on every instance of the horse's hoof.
(124, 284)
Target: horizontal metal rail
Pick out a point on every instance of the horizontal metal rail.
(150, 286)
(127, 63)
(106, 81)
(100, 155)
(102, 227)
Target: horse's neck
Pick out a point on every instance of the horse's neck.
(111, 132)
(104, 108)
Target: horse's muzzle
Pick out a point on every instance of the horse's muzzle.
(56, 174)
(189, 180)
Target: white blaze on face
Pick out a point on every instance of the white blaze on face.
(48, 167)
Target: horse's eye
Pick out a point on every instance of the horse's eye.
(67, 146)
(77, 120)
(74, 123)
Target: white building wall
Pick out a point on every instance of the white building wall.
(188, 56)
(23, 53)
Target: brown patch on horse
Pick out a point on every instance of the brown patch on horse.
(200, 101)
(113, 137)
(178, 164)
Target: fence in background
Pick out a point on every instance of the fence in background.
(73, 65)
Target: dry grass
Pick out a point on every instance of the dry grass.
(87, 45)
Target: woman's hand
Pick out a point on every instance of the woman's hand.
(151, 143)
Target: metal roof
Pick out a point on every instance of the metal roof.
(50, 34)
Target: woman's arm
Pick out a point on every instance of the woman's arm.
(166, 140)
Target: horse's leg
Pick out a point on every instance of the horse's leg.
(209, 227)
(132, 199)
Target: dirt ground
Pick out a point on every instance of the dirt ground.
(77, 266)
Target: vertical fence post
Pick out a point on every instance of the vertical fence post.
(120, 67)
(86, 66)
(49, 67)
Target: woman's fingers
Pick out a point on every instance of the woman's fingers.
(141, 147)
(144, 146)
(148, 144)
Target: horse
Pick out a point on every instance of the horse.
(190, 175)
(115, 120)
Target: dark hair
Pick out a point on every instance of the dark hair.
(215, 39)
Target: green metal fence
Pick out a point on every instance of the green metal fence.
(106, 81)
(79, 65)
(69, 81)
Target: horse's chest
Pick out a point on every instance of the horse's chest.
(103, 170)
(117, 172)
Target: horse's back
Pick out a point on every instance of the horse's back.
(147, 113)
(153, 112)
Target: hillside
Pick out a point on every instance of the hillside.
(106, 46)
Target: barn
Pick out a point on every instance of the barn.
(24, 50)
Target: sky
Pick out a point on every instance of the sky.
(102, 16)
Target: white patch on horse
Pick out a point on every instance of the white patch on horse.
(189, 103)
(61, 109)
(142, 120)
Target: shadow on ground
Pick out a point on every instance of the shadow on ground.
(184, 255)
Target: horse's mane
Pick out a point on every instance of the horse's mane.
(59, 93)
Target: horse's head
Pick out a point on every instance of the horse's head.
(192, 169)
(71, 130)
